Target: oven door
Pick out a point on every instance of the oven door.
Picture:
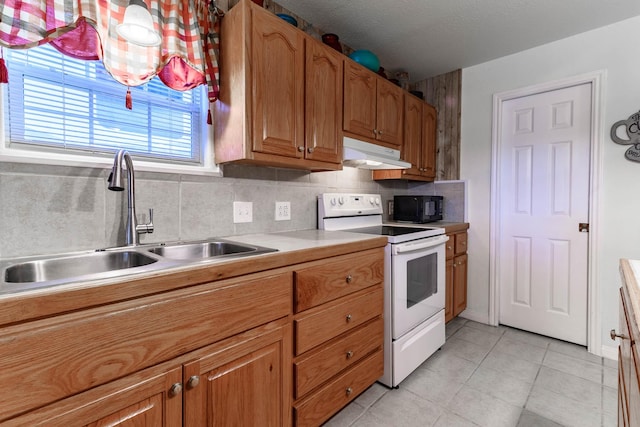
(417, 282)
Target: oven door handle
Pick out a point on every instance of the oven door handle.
(419, 244)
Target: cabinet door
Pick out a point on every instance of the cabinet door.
(359, 100)
(390, 113)
(459, 284)
(448, 293)
(429, 142)
(150, 398)
(412, 146)
(277, 85)
(243, 381)
(323, 103)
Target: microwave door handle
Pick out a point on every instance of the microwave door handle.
(420, 244)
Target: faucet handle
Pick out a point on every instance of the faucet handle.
(148, 227)
(150, 223)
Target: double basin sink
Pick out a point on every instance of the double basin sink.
(22, 275)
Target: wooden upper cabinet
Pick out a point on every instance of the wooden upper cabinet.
(359, 100)
(373, 107)
(429, 142)
(412, 148)
(266, 93)
(419, 147)
(390, 112)
(323, 103)
(278, 86)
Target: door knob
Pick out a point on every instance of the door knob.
(193, 381)
(615, 335)
(175, 389)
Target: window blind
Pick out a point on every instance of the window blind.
(58, 101)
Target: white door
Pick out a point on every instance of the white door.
(544, 196)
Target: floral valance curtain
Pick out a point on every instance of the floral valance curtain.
(86, 29)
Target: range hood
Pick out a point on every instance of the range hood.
(364, 155)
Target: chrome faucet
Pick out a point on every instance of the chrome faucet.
(116, 183)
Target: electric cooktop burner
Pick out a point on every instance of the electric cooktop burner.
(386, 230)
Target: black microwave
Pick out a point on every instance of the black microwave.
(418, 209)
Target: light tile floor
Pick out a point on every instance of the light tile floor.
(493, 377)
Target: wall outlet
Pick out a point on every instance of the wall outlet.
(283, 211)
(242, 212)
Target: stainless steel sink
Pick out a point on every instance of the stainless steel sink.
(52, 269)
(19, 275)
(207, 249)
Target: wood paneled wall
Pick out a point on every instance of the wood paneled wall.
(444, 93)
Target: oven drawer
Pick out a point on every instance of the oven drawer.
(312, 371)
(322, 323)
(322, 404)
(337, 277)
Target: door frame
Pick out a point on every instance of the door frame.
(596, 79)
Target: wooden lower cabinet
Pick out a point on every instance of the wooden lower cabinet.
(456, 275)
(238, 381)
(338, 334)
(141, 399)
(244, 382)
(628, 360)
(220, 353)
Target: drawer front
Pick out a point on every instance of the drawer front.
(330, 360)
(450, 246)
(461, 243)
(321, 405)
(336, 278)
(332, 319)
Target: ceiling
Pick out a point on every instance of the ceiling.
(431, 37)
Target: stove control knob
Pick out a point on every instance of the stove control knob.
(333, 201)
(341, 200)
(377, 201)
(372, 201)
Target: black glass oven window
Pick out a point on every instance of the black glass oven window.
(422, 278)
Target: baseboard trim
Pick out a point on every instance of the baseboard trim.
(476, 316)
(609, 352)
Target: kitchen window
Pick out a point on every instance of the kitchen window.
(59, 105)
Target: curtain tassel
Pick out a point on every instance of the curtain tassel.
(128, 103)
(209, 121)
(4, 74)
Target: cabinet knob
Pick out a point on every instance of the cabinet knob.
(348, 318)
(301, 149)
(374, 132)
(193, 381)
(348, 391)
(449, 247)
(175, 389)
(454, 265)
(615, 335)
(349, 279)
(349, 354)
(310, 150)
(379, 132)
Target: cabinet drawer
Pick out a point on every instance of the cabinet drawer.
(332, 319)
(461, 243)
(322, 365)
(450, 246)
(321, 405)
(336, 278)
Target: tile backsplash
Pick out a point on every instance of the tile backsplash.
(50, 209)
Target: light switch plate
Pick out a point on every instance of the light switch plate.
(242, 212)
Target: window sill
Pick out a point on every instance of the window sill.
(55, 159)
